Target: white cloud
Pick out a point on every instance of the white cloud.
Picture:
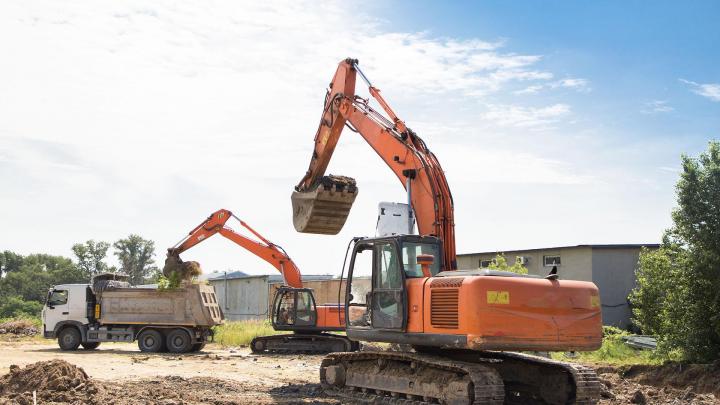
(577, 84)
(140, 117)
(707, 90)
(525, 117)
(657, 106)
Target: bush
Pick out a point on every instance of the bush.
(16, 307)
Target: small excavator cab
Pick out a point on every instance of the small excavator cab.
(294, 309)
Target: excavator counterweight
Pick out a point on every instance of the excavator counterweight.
(325, 208)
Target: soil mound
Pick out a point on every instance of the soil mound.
(18, 327)
(53, 381)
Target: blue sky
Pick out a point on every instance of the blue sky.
(557, 123)
(633, 52)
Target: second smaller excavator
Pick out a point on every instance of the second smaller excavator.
(294, 307)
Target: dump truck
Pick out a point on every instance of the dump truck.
(178, 320)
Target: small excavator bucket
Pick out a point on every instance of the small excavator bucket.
(324, 209)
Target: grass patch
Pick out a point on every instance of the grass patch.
(615, 352)
(241, 333)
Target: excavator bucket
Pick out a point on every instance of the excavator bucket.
(324, 209)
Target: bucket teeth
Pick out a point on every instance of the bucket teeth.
(324, 209)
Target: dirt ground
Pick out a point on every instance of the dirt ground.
(119, 373)
(213, 376)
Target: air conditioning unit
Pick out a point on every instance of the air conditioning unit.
(523, 260)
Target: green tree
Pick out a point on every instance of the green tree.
(9, 261)
(678, 287)
(136, 257)
(500, 263)
(37, 274)
(90, 256)
(16, 307)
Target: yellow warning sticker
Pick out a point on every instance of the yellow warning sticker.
(498, 297)
(594, 301)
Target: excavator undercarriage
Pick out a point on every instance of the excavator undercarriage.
(303, 343)
(457, 377)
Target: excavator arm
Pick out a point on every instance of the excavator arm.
(262, 248)
(321, 203)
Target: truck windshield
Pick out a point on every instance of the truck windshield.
(410, 252)
(57, 297)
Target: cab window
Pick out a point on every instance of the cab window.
(410, 252)
(57, 297)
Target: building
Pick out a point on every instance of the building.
(242, 296)
(610, 267)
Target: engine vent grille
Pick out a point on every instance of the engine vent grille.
(444, 308)
(442, 282)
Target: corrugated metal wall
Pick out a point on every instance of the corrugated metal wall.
(246, 298)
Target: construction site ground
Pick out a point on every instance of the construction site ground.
(119, 373)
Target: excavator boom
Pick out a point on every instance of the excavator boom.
(321, 203)
(264, 249)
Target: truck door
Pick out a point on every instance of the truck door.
(387, 302)
(56, 308)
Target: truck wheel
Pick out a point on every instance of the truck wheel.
(197, 347)
(150, 341)
(90, 345)
(179, 341)
(69, 338)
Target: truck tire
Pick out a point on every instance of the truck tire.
(90, 345)
(197, 347)
(69, 338)
(179, 341)
(151, 341)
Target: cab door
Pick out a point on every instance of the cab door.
(56, 308)
(388, 293)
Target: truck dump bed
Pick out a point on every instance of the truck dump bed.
(190, 305)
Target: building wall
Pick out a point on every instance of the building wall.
(614, 274)
(246, 297)
(576, 262)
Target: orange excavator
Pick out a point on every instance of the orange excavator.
(467, 327)
(294, 307)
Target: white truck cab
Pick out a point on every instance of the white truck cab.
(66, 304)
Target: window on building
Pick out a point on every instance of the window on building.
(550, 261)
(485, 263)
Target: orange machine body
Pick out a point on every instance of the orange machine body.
(453, 308)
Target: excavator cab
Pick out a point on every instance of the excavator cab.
(294, 309)
(390, 262)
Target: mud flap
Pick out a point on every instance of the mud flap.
(325, 209)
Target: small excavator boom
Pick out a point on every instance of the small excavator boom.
(264, 249)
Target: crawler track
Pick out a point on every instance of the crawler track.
(409, 378)
(458, 376)
(302, 343)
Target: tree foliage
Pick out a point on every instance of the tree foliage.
(136, 257)
(677, 296)
(500, 263)
(91, 256)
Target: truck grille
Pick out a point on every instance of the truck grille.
(444, 308)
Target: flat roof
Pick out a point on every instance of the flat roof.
(592, 246)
